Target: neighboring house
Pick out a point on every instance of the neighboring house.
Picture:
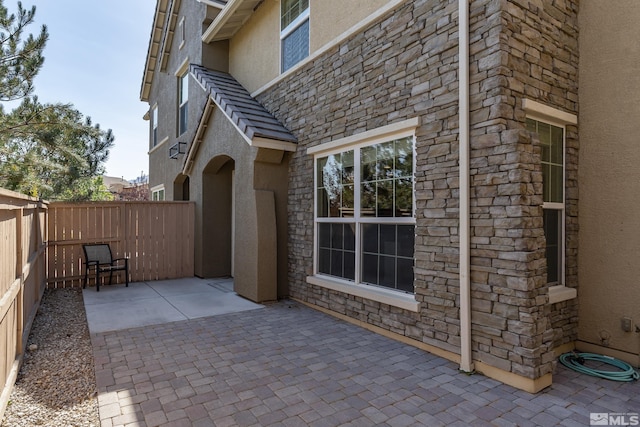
(123, 190)
(341, 154)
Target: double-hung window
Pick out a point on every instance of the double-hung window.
(551, 139)
(365, 223)
(183, 102)
(294, 32)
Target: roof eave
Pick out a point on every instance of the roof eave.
(230, 20)
(155, 39)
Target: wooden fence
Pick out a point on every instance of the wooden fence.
(157, 237)
(22, 279)
(41, 247)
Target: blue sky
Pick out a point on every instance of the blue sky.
(94, 60)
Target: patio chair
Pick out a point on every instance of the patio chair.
(98, 256)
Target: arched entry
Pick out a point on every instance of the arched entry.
(217, 217)
(181, 187)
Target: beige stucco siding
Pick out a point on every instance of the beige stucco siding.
(329, 20)
(609, 177)
(254, 58)
(254, 51)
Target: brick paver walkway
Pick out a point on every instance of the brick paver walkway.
(289, 365)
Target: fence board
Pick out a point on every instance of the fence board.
(156, 236)
(22, 279)
(41, 245)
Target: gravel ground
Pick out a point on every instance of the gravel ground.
(56, 385)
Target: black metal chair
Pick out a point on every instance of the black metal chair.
(99, 256)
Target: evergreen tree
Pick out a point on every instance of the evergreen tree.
(19, 62)
(46, 150)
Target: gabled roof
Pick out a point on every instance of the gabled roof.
(254, 123)
(230, 19)
(244, 111)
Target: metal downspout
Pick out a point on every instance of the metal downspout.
(466, 362)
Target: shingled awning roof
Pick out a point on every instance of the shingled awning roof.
(255, 124)
(246, 113)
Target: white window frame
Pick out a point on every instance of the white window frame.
(376, 293)
(183, 102)
(182, 72)
(154, 126)
(158, 193)
(285, 32)
(543, 113)
(182, 32)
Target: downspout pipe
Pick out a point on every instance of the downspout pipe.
(466, 362)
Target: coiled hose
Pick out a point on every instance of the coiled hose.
(576, 361)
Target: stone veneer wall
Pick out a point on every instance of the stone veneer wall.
(542, 40)
(403, 66)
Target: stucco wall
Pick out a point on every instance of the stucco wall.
(258, 192)
(255, 49)
(329, 18)
(164, 92)
(609, 173)
(255, 203)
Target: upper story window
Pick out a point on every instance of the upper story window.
(551, 139)
(183, 100)
(365, 223)
(154, 126)
(181, 33)
(294, 32)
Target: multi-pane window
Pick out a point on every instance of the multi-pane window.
(154, 126)
(294, 32)
(552, 142)
(183, 100)
(364, 214)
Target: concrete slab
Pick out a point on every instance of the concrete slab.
(133, 313)
(118, 307)
(215, 302)
(115, 293)
(194, 285)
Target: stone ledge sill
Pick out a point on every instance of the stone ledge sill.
(406, 302)
(561, 293)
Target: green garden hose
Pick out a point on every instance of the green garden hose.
(576, 361)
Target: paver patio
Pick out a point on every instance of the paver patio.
(289, 365)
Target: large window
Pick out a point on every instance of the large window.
(552, 141)
(365, 224)
(294, 32)
(183, 102)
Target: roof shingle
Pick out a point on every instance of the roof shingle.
(242, 109)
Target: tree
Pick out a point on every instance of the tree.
(19, 63)
(46, 150)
